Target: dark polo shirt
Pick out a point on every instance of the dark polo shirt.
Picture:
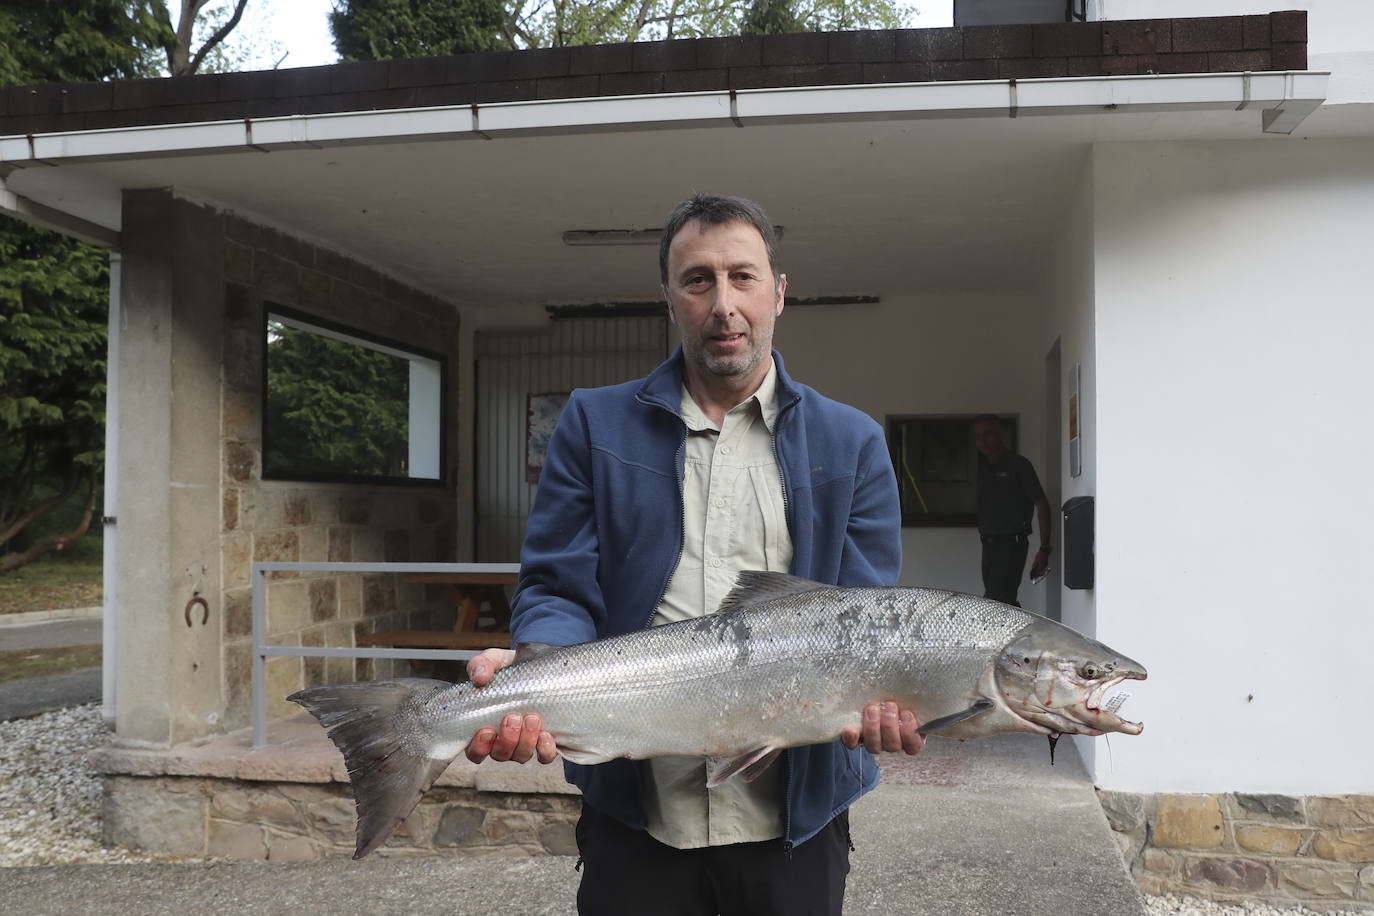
(1007, 492)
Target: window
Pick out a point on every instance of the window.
(937, 467)
(340, 405)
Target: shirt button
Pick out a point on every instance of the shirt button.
(720, 504)
(725, 449)
(715, 563)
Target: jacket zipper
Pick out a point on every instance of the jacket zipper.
(682, 515)
(787, 755)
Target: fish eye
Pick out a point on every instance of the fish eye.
(1089, 671)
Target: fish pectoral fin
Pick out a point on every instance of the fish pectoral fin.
(977, 709)
(756, 769)
(720, 770)
(527, 650)
(583, 756)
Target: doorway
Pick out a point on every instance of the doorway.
(1051, 482)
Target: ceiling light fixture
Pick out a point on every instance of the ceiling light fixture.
(612, 236)
(621, 236)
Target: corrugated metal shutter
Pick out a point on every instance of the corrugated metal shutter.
(511, 366)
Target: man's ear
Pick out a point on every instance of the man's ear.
(782, 292)
(667, 297)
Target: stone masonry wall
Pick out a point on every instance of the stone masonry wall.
(280, 520)
(1314, 850)
(304, 822)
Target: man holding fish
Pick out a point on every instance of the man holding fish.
(655, 495)
(692, 685)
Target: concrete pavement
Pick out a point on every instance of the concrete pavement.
(974, 829)
(29, 697)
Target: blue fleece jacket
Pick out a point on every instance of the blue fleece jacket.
(605, 533)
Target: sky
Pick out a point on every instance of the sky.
(295, 33)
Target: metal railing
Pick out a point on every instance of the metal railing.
(261, 650)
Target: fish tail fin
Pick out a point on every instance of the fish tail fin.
(375, 726)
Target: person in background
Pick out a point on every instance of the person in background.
(1008, 491)
(655, 494)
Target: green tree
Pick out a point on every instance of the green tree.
(334, 406)
(53, 304)
(198, 34)
(54, 290)
(379, 29)
(42, 41)
(374, 29)
(554, 23)
(771, 17)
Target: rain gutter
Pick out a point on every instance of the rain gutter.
(1284, 99)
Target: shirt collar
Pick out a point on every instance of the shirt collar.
(766, 397)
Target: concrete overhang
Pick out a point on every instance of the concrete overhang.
(955, 180)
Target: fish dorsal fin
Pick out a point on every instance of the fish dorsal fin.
(527, 650)
(754, 586)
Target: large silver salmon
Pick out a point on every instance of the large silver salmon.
(785, 662)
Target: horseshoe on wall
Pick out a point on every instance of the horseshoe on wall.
(204, 607)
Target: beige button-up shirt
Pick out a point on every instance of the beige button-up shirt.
(734, 519)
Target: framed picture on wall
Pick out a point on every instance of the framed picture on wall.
(937, 467)
(541, 414)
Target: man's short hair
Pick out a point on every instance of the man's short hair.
(714, 210)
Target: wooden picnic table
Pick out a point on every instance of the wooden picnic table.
(470, 591)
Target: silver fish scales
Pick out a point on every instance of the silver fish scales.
(784, 662)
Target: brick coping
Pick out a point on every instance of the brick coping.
(1216, 44)
(298, 751)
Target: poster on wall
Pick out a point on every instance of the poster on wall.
(541, 413)
(1075, 450)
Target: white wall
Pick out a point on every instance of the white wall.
(1340, 33)
(929, 353)
(1233, 333)
(1069, 317)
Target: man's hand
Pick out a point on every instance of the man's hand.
(1040, 565)
(520, 737)
(885, 728)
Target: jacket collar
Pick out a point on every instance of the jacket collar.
(663, 386)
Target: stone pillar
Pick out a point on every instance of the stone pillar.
(172, 292)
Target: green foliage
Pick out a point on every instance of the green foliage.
(371, 29)
(580, 22)
(334, 407)
(52, 374)
(69, 41)
(771, 17)
(380, 29)
(54, 291)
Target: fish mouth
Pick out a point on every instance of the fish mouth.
(1100, 706)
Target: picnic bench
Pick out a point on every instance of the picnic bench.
(471, 591)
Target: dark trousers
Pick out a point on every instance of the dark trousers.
(1004, 560)
(628, 872)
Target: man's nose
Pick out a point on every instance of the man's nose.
(722, 300)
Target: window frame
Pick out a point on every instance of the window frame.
(1011, 425)
(273, 309)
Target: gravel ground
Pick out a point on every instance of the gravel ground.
(49, 798)
(50, 807)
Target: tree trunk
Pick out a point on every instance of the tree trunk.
(57, 541)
